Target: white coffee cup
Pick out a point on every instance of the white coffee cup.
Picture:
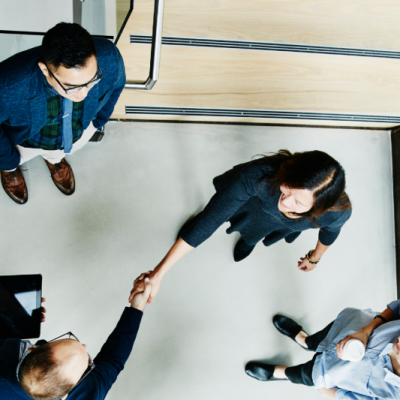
(353, 350)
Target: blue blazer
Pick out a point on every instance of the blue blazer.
(109, 362)
(23, 105)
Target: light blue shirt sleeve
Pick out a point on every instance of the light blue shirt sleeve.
(373, 376)
(342, 394)
(395, 307)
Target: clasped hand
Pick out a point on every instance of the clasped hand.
(139, 297)
(140, 282)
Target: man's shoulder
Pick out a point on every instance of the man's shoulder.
(87, 389)
(9, 357)
(106, 50)
(17, 72)
(110, 63)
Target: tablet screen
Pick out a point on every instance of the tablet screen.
(20, 303)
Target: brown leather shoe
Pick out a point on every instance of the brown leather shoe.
(14, 184)
(62, 176)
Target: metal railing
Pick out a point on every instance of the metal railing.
(155, 43)
(155, 51)
(126, 19)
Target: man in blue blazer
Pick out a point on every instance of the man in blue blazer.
(52, 99)
(63, 368)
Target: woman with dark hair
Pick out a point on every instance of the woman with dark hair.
(272, 198)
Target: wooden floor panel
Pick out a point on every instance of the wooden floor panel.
(214, 78)
(267, 80)
(345, 23)
(269, 121)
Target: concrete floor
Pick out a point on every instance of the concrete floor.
(212, 315)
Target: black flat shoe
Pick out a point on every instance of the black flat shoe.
(261, 371)
(288, 327)
(242, 250)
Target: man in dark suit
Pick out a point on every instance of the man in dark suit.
(63, 368)
(52, 99)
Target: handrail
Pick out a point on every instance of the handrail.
(155, 51)
(125, 21)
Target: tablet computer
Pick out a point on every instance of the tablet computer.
(20, 304)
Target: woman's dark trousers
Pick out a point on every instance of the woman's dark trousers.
(303, 373)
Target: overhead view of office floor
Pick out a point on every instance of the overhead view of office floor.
(231, 76)
(212, 315)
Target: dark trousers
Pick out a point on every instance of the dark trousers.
(302, 373)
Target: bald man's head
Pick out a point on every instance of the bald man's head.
(52, 370)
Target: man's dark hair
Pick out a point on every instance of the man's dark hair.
(39, 375)
(67, 45)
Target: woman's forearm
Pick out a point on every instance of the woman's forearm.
(319, 251)
(177, 251)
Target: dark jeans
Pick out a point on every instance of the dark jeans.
(303, 373)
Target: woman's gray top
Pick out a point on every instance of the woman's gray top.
(243, 199)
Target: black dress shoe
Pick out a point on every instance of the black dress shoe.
(261, 371)
(242, 250)
(288, 327)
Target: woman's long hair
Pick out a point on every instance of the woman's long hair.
(311, 170)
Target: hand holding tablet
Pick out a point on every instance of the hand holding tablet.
(21, 312)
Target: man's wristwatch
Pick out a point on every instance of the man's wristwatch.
(380, 317)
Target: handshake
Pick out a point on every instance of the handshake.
(148, 283)
(140, 294)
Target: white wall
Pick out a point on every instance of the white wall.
(29, 15)
(37, 15)
(98, 17)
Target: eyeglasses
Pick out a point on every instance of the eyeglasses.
(68, 335)
(75, 89)
(91, 366)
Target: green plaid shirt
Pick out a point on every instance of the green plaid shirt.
(50, 136)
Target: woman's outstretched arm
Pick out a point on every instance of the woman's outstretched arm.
(220, 208)
(177, 251)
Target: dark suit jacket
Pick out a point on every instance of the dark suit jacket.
(23, 101)
(109, 362)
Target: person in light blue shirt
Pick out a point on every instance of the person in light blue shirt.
(376, 376)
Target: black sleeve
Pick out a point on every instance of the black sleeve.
(329, 233)
(223, 205)
(114, 353)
